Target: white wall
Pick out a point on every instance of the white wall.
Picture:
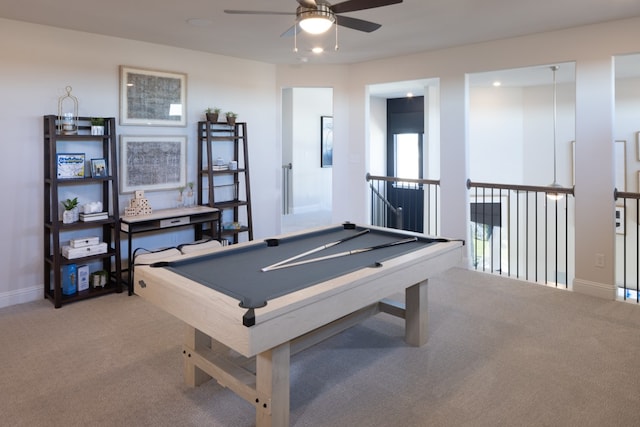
(627, 127)
(590, 47)
(38, 62)
(496, 135)
(378, 137)
(511, 134)
(538, 134)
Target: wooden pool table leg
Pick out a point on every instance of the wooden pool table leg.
(196, 340)
(272, 387)
(416, 316)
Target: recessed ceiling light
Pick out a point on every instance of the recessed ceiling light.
(497, 83)
(317, 49)
(409, 94)
(199, 22)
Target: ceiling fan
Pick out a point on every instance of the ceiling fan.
(317, 16)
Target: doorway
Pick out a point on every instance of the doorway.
(405, 152)
(307, 116)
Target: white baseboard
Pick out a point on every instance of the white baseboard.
(21, 296)
(595, 289)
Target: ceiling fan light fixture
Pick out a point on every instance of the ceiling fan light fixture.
(315, 21)
(316, 25)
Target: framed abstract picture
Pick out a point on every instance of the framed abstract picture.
(152, 98)
(152, 163)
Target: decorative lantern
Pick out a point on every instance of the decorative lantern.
(68, 114)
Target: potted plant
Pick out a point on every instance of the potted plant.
(70, 213)
(231, 117)
(212, 114)
(97, 126)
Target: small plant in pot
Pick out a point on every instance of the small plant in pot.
(212, 114)
(231, 117)
(70, 214)
(97, 126)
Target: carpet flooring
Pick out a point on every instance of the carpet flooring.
(501, 352)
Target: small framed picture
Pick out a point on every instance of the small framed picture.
(99, 168)
(70, 165)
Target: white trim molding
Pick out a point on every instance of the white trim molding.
(20, 296)
(595, 289)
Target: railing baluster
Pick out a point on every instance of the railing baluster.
(525, 235)
(627, 248)
(387, 207)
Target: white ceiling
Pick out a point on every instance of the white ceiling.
(408, 27)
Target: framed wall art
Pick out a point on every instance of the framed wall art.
(152, 98)
(152, 163)
(99, 168)
(326, 141)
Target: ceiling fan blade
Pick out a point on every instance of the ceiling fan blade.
(311, 4)
(256, 12)
(357, 24)
(354, 5)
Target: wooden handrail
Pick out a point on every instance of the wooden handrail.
(515, 187)
(395, 179)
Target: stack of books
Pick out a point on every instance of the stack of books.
(96, 216)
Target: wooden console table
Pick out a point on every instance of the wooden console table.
(166, 219)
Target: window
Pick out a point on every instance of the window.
(407, 157)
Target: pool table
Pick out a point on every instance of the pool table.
(267, 299)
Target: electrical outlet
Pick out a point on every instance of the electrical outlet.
(600, 260)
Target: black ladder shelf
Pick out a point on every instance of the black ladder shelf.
(223, 174)
(103, 187)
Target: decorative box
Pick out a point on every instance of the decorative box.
(83, 277)
(73, 253)
(85, 241)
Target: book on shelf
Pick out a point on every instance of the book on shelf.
(97, 216)
(70, 165)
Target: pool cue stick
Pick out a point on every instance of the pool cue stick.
(346, 253)
(318, 249)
